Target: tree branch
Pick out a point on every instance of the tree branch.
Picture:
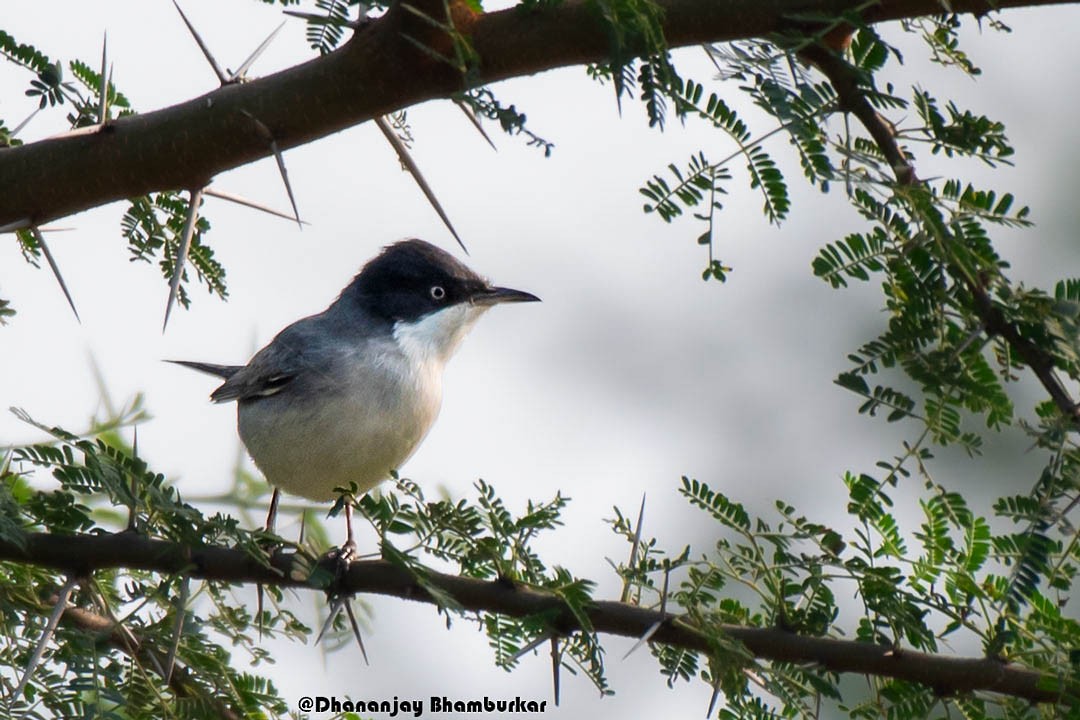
(82, 554)
(378, 71)
(845, 80)
(180, 681)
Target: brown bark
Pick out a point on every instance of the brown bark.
(377, 71)
(82, 554)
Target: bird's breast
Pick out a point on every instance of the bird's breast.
(361, 418)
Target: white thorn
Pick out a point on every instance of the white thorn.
(46, 634)
(222, 77)
(240, 71)
(414, 170)
(239, 200)
(476, 122)
(16, 225)
(285, 179)
(103, 89)
(178, 627)
(23, 124)
(195, 198)
(356, 630)
(531, 646)
(644, 638)
(55, 268)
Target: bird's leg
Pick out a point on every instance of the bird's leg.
(347, 551)
(349, 540)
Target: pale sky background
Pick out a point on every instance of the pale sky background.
(631, 373)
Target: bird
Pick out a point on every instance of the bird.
(345, 397)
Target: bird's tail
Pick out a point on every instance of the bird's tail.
(221, 371)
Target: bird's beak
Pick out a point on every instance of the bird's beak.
(496, 295)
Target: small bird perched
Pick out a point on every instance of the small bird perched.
(346, 396)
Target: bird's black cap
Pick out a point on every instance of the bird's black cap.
(413, 278)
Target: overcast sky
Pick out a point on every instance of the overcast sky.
(630, 374)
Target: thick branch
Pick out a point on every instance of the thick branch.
(82, 554)
(378, 71)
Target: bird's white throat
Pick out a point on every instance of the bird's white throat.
(435, 337)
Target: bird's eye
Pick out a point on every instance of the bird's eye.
(437, 292)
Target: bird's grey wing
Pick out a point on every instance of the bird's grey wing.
(296, 350)
(263, 376)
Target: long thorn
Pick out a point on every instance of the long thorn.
(645, 637)
(239, 73)
(356, 630)
(108, 84)
(24, 123)
(194, 200)
(712, 58)
(103, 89)
(530, 647)
(556, 663)
(285, 179)
(663, 609)
(46, 633)
(634, 549)
(317, 19)
(133, 510)
(336, 606)
(178, 628)
(222, 77)
(713, 699)
(414, 170)
(259, 592)
(16, 225)
(475, 122)
(271, 513)
(55, 268)
(239, 200)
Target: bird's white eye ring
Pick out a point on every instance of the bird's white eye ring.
(437, 292)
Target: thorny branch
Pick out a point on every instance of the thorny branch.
(378, 71)
(83, 554)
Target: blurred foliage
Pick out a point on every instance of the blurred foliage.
(956, 333)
